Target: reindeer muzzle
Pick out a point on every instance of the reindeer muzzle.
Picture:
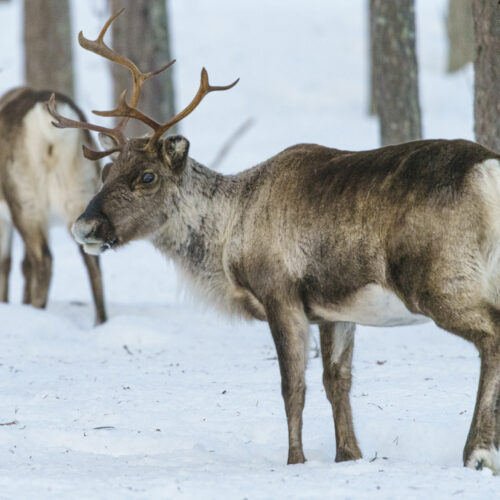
(94, 231)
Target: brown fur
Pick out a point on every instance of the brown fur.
(313, 235)
(35, 160)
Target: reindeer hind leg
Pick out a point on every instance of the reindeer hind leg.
(6, 230)
(37, 263)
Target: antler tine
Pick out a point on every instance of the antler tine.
(90, 154)
(204, 89)
(124, 110)
(63, 122)
(99, 47)
(159, 70)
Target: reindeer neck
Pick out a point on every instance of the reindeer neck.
(193, 234)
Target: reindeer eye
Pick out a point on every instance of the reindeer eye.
(148, 177)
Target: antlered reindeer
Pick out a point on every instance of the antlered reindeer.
(316, 235)
(42, 173)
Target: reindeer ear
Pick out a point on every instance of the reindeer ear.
(106, 141)
(174, 151)
(105, 171)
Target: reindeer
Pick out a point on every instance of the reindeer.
(42, 173)
(315, 235)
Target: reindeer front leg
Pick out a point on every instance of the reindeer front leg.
(95, 277)
(290, 330)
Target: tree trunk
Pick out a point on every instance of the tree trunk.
(48, 44)
(141, 33)
(372, 108)
(487, 73)
(395, 70)
(460, 29)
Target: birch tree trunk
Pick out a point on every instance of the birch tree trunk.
(487, 73)
(48, 45)
(395, 70)
(141, 33)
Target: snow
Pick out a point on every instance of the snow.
(169, 400)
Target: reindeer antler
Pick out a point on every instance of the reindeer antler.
(62, 122)
(205, 88)
(125, 110)
(99, 47)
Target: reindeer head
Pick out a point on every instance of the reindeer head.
(144, 179)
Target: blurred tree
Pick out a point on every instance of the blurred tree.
(48, 44)
(141, 33)
(487, 73)
(372, 109)
(460, 29)
(395, 70)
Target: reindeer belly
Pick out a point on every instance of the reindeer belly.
(371, 306)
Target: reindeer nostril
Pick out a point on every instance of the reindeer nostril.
(83, 230)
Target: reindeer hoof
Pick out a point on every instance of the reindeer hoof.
(296, 457)
(347, 454)
(481, 458)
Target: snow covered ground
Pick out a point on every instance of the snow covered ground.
(168, 400)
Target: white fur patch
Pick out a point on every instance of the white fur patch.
(489, 179)
(485, 458)
(180, 147)
(93, 248)
(342, 337)
(58, 182)
(371, 306)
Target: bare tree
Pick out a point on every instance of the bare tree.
(487, 73)
(372, 108)
(142, 35)
(395, 70)
(460, 28)
(47, 39)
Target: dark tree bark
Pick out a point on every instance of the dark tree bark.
(141, 33)
(487, 73)
(460, 28)
(395, 70)
(48, 44)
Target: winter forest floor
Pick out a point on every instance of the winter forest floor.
(168, 400)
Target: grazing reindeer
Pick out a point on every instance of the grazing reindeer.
(386, 237)
(42, 173)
